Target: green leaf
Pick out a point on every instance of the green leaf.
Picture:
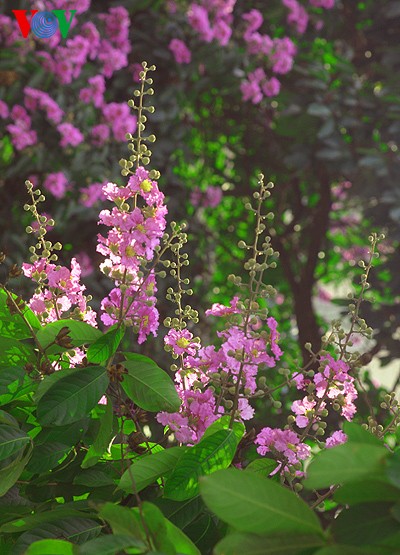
(149, 468)
(103, 438)
(93, 478)
(256, 505)
(122, 520)
(110, 545)
(223, 423)
(14, 325)
(31, 521)
(47, 456)
(262, 467)
(75, 530)
(157, 526)
(210, 454)
(149, 386)
(393, 469)
(14, 383)
(11, 441)
(105, 347)
(72, 397)
(345, 463)
(364, 524)
(80, 333)
(14, 352)
(10, 474)
(365, 491)
(180, 541)
(353, 550)
(181, 513)
(51, 547)
(356, 434)
(246, 544)
(48, 381)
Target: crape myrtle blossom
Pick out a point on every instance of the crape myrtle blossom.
(284, 445)
(337, 438)
(61, 293)
(133, 234)
(180, 51)
(239, 353)
(333, 383)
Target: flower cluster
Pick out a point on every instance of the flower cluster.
(230, 369)
(60, 293)
(284, 445)
(133, 235)
(212, 20)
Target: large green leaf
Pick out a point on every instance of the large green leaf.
(122, 520)
(256, 505)
(180, 541)
(14, 325)
(367, 490)
(47, 456)
(31, 521)
(80, 333)
(103, 438)
(156, 524)
(10, 474)
(12, 440)
(224, 423)
(210, 454)
(75, 530)
(14, 352)
(110, 545)
(368, 523)
(105, 346)
(346, 463)
(72, 397)
(146, 470)
(250, 544)
(393, 469)
(14, 383)
(181, 513)
(149, 386)
(51, 547)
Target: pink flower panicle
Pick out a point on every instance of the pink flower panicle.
(60, 292)
(284, 445)
(128, 246)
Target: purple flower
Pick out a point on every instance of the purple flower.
(337, 438)
(70, 135)
(57, 184)
(180, 51)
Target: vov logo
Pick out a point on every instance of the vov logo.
(44, 24)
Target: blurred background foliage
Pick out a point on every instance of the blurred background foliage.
(328, 140)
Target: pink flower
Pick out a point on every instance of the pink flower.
(284, 445)
(70, 135)
(297, 15)
(305, 412)
(92, 194)
(196, 414)
(199, 21)
(180, 342)
(95, 92)
(35, 99)
(254, 21)
(4, 111)
(218, 309)
(337, 438)
(271, 87)
(222, 32)
(100, 134)
(57, 184)
(180, 51)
